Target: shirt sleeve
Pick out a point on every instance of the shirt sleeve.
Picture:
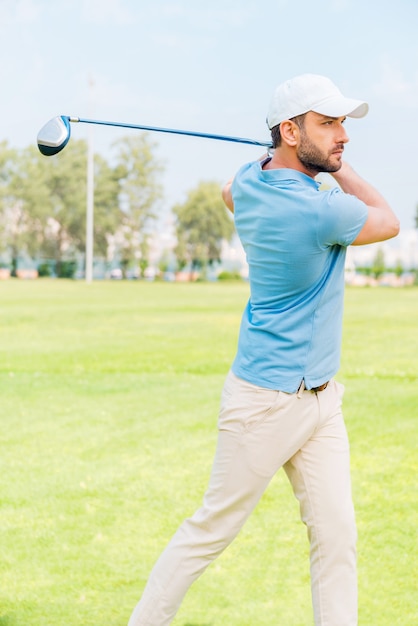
(342, 219)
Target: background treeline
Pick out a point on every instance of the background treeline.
(43, 210)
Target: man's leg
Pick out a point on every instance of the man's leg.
(320, 476)
(259, 430)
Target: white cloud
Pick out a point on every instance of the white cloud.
(340, 5)
(200, 16)
(99, 91)
(395, 88)
(108, 11)
(18, 11)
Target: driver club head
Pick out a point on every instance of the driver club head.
(54, 136)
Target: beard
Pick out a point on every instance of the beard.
(313, 159)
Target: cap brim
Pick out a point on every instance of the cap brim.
(337, 107)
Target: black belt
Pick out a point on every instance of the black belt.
(320, 388)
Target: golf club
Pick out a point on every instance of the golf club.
(54, 136)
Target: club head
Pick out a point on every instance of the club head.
(54, 136)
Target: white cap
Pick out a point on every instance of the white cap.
(311, 92)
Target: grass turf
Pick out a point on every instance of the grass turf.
(109, 400)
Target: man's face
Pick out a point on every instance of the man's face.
(321, 143)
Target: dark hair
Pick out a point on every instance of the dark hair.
(276, 137)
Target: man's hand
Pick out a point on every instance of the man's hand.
(381, 223)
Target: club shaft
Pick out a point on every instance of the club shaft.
(189, 133)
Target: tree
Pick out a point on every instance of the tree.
(378, 266)
(398, 268)
(49, 206)
(21, 220)
(7, 159)
(138, 171)
(203, 222)
(107, 213)
(46, 213)
(43, 202)
(7, 164)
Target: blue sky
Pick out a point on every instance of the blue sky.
(212, 67)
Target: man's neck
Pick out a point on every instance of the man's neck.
(284, 159)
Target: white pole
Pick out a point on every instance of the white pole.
(90, 202)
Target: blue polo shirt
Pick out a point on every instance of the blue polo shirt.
(295, 238)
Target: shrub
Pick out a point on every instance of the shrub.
(224, 275)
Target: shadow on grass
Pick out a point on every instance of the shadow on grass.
(7, 620)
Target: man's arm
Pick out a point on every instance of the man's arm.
(381, 222)
(227, 195)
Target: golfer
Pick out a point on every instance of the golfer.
(281, 406)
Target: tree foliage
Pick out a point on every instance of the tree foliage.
(378, 266)
(140, 191)
(203, 223)
(43, 202)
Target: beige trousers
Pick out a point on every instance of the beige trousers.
(261, 430)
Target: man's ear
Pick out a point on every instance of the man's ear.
(289, 132)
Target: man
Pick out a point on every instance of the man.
(280, 404)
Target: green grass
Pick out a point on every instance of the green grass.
(109, 400)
